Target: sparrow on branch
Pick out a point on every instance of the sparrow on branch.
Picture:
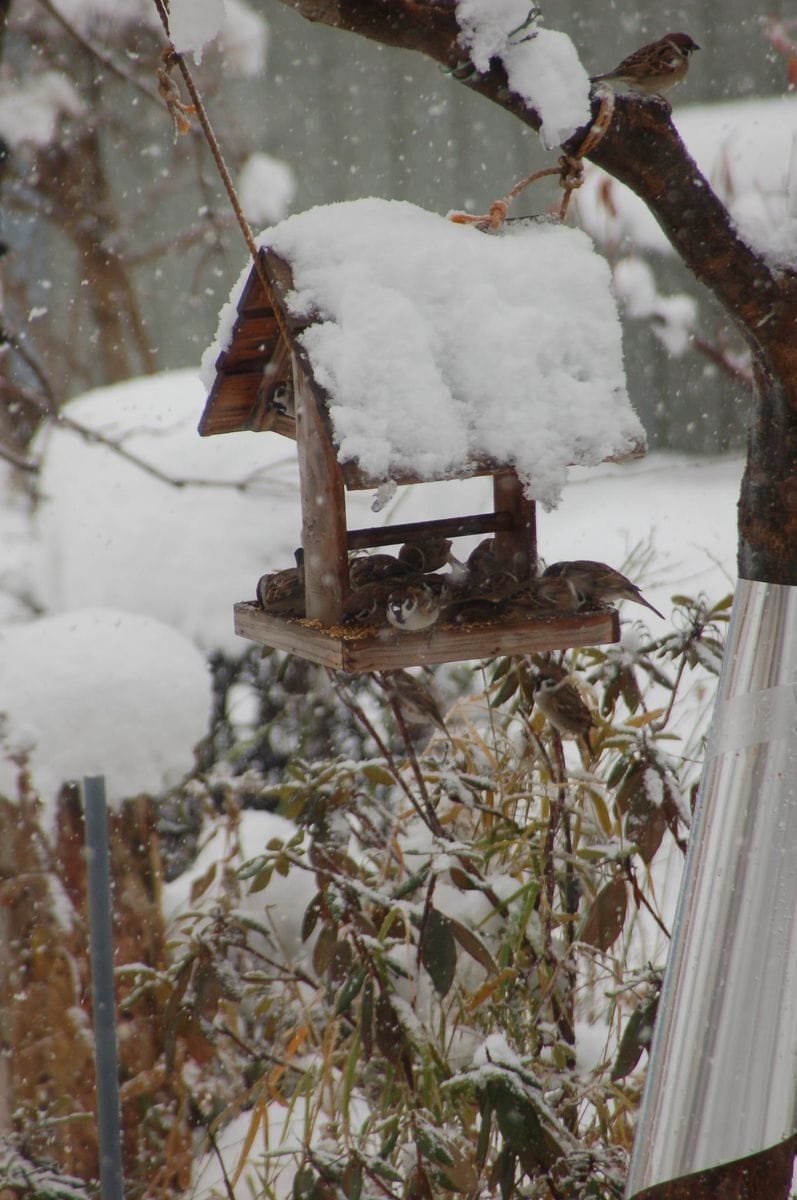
(560, 702)
(652, 69)
(416, 699)
(597, 582)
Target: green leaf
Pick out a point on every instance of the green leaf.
(352, 1180)
(350, 989)
(201, 885)
(376, 773)
(506, 691)
(311, 915)
(636, 1038)
(485, 1129)
(439, 950)
(262, 879)
(412, 884)
(388, 1034)
(322, 951)
(367, 1018)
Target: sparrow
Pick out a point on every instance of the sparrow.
(482, 560)
(429, 554)
(473, 610)
(366, 605)
(653, 69)
(547, 594)
(282, 592)
(560, 702)
(416, 604)
(598, 582)
(372, 568)
(416, 700)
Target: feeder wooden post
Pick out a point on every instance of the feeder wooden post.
(326, 566)
(516, 547)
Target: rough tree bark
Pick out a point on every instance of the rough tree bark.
(643, 150)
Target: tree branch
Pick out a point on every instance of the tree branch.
(642, 149)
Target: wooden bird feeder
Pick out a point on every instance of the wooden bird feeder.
(264, 358)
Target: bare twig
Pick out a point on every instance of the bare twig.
(109, 63)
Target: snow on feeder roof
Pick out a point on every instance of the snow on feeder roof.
(396, 346)
(438, 351)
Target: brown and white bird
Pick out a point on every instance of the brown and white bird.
(417, 604)
(473, 610)
(598, 582)
(282, 592)
(548, 593)
(372, 568)
(415, 698)
(653, 69)
(429, 554)
(560, 702)
(366, 605)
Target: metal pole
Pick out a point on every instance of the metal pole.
(722, 1079)
(102, 988)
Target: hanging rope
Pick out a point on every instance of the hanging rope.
(570, 170)
(179, 112)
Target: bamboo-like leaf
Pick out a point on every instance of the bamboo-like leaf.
(645, 718)
(633, 781)
(645, 826)
(340, 962)
(388, 1034)
(439, 950)
(377, 773)
(506, 691)
(310, 918)
(636, 1038)
(251, 1133)
(352, 1180)
(606, 916)
(367, 1018)
(473, 945)
(322, 951)
(262, 878)
(201, 885)
(461, 879)
(485, 1129)
(350, 989)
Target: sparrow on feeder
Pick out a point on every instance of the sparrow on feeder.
(416, 605)
(366, 605)
(598, 582)
(429, 554)
(547, 594)
(282, 592)
(372, 568)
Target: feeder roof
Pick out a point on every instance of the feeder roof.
(434, 346)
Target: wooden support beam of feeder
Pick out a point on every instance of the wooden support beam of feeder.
(450, 527)
(326, 568)
(515, 545)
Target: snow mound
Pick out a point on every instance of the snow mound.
(98, 692)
